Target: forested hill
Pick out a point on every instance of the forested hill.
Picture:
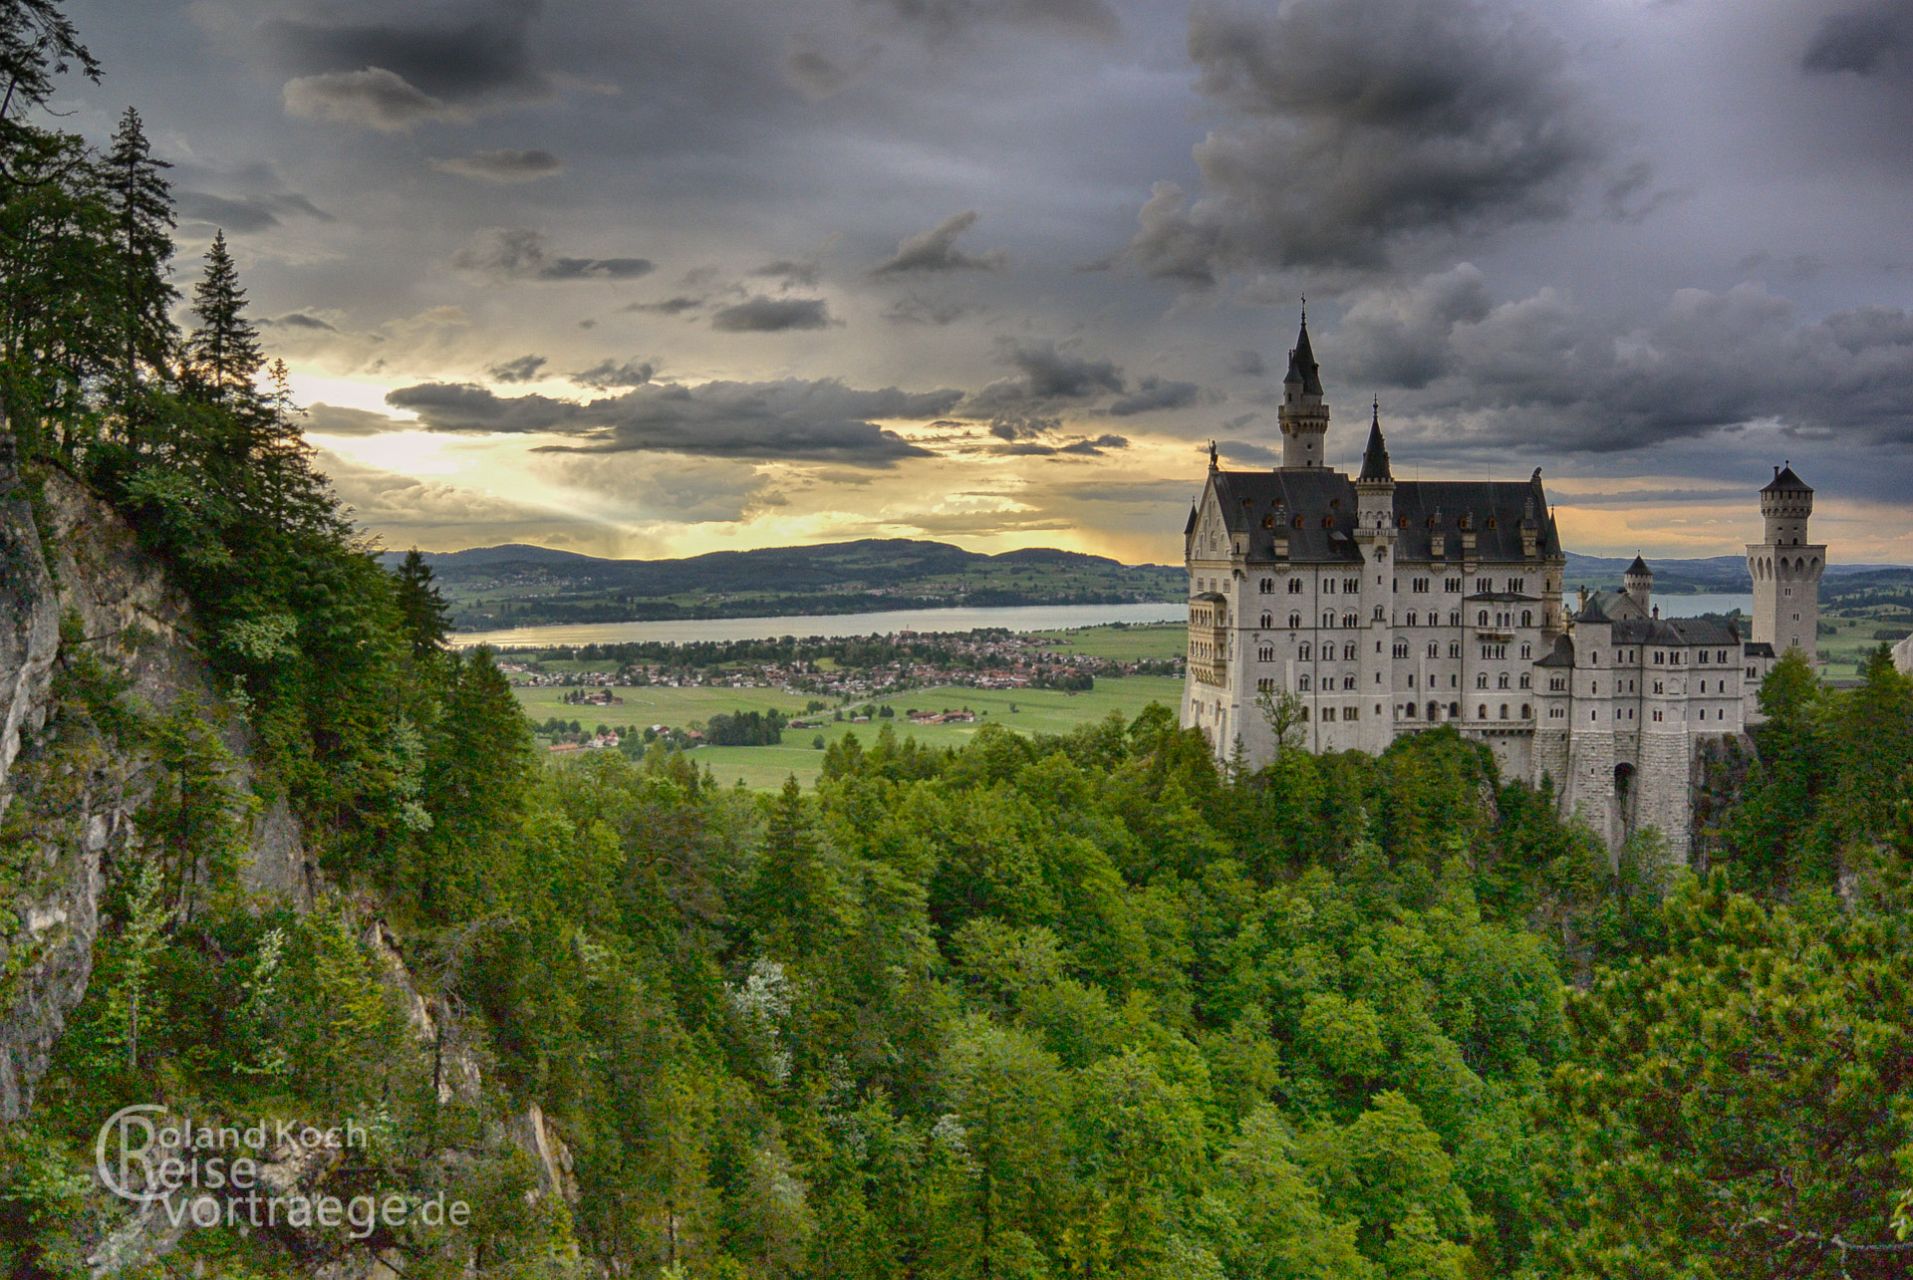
(1726, 574)
(518, 585)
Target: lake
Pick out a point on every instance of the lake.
(1014, 618)
(1033, 617)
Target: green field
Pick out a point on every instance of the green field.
(1853, 639)
(1035, 711)
(1152, 640)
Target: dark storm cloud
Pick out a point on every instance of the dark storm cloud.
(1541, 373)
(945, 17)
(301, 320)
(1046, 373)
(465, 406)
(772, 315)
(790, 271)
(935, 250)
(337, 420)
(505, 165)
(246, 213)
(607, 374)
(1255, 455)
(926, 311)
(1246, 363)
(1861, 41)
(523, 369)
(790, 420)
(391, 75)
(667, 306)
(518, 253)
(1356, 125)
(1153, 393)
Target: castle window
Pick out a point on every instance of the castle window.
(1328, 713)
(1328, 617)
(1302, 683)
(1703, 657)
(1454, 617)
(1527, 617)
(1454, 648)
(1419, 584)
(1481, 679)
(1268, 620)
(1527, 681)
(1484, 585)
(1434, 649)
(1350, 620)
(1408, 711)
(1434, 711)
(1295, 586)
(1481, 618)
(1306, 650)
(1592, 716)
(1348, 652)
(1504, 711)
(1481, 712)
(1305, 713)
(1451, 584)
(1352, 585)
(1518, 586)
(1328, 586)
(1501, 681)
(1380, 613)
(1348, 682)
(1265, 686)
(1525, 713)
(1266, 653)
(1527, 651)
(1411, 617)
(1295, 621)
(1401, 648)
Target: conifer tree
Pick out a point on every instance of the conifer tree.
(223, 352)
(427, 617)
(143, 248)
(37, 43)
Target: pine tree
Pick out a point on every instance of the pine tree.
(143, 244)
(427, 617)
(223, 352)
(37, 42)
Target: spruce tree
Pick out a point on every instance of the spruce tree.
(143, 243)
(223, 352)
(426, 615)
(37, 43)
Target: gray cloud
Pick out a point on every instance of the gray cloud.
(249, 213)
(772, 315)
(663, 487)
(518, 253)
(607, 374)
(667, 306)
(505, 165)
(1154, 393)
(337, 420)
(1243, 451)
(391, 76)
(1541, 373)
(1403, 336)
(523, 369)
(935, 250)
(790, 271)
(1046, 373)
(1357, 125)
(1248, 364)
(1860, 41)
(302, 320)
(791, 420)
(944, 17)
(926, 311)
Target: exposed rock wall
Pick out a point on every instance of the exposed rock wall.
(68, 798)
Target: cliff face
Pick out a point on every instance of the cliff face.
(68, 798)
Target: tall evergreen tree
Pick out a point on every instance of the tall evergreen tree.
(143, 243)
(223, 352)
(37, 43)
(427, 617)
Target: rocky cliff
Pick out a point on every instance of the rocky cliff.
(78, 594)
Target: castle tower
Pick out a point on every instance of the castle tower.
(1375, 536)
(1304, 413)
(1786, 568)
(1638, 582)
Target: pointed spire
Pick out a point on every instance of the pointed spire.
(1639, 568)
(1302, 366)
(1375, 456)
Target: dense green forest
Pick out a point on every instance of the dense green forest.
(1081, 1006)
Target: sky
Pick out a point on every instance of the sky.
(654, 279)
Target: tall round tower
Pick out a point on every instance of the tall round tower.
(1304, 411)
(1786, 568)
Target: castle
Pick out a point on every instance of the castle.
(1389, 607)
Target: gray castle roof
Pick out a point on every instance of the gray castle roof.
(1316, 508)
(1375, 456)
(1302, 366)
(1675, 632)
(1786, 481)
(1639, 569)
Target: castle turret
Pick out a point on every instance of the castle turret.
(1375, 537)
(1786, 568)
(1638, 582)
(1375, 486)
(1304, 412)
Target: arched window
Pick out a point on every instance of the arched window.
(1527, 617)
(1481, 712)
(1434, 649)
(1504, 711)
(1501, 681)
(1304, 652)
(1268, 585)
(1350, 620)
(1328, 617)
(1481, 619)
(1268, 620)
(1481, 679)
(1434, 711)
(1302, 683)
(1295, 621)
(1295, 586)
(1409, 710)
(1454, 711)
(1348, 652)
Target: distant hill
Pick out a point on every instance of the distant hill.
(517, 585)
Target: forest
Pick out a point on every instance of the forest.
(1083, 1005)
